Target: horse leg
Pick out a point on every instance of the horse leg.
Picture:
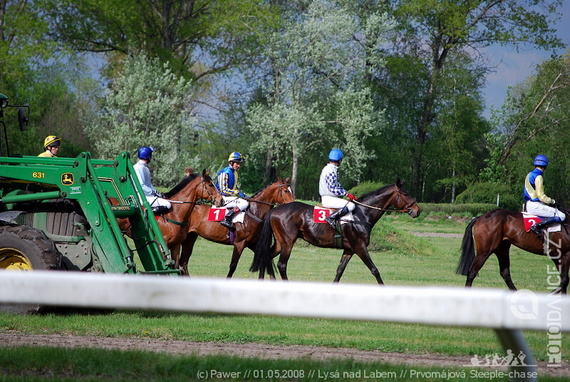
(236, 254)
(502, 253)
(187, 248)
(345, 258)
(282, 247)
(365, 256)
(476, 267)
(282, 263)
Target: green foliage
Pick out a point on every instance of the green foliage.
(148, 105)
(177, 32)
(365, 187)
(487, 192)
(316, 100)
(535, 120)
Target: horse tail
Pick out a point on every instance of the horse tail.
(263, 255)
(467, 250)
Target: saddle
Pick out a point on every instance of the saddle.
(530, 220)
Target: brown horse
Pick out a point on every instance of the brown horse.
(245, 234)
(495, 231)
(288, 222)
(174, 224)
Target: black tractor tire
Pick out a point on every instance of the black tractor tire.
(23, 248)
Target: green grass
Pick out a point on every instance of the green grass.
(403, 260)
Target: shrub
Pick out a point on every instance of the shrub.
(365, 187)
(471, 209)
(486, 192)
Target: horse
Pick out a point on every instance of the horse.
(183, 197)
(245, 234)
(288, 222)
(495, 232)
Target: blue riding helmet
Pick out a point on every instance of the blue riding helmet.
(336, 155)
(540, 160)
(145, 152)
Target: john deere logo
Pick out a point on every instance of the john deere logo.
(67, 179)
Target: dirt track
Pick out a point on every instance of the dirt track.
(247, 350)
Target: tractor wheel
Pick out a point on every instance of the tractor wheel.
(23, 248)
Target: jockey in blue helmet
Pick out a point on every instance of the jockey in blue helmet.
(156, 199)
(537, 203)
(227, 183)
(331, 191)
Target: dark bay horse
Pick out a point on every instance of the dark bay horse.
(245, 234)
(174, 224)
(495, 232)
(288, 222)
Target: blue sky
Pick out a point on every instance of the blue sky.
(513, 67)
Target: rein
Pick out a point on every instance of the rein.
(378, 208)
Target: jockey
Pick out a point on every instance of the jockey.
(156, 199)
(331, 191)
(51, 146)
(537, 203)
(227, 184)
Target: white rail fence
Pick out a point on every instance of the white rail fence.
(501, 310)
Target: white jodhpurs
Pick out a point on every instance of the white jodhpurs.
(543, 210)
(336, 202)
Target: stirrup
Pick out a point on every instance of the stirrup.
(160, 210)
(332, 222)
(537, 231)
(227, 223)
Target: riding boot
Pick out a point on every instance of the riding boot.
(538, 227)
(160, 210)
(227, 221)
(335, 216)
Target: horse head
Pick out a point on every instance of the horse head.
(278, 192)
(284, 191)
(405, 201)
(208, 190)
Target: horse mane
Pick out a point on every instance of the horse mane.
(183, 183)
(260, 191)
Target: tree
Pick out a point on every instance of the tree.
(38, 71)
(315, 95)
(535, 120)
(201, 37)
(432, 30)
(148, 105)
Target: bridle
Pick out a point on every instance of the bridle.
(279, 195)
(407, 208)
(211, 196)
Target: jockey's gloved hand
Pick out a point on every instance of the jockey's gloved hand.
(350, 196)
(241, 195)
(159, 194)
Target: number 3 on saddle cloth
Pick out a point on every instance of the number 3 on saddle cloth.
(320, 213)
(530, 220)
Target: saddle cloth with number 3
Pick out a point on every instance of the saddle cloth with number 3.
(320, 213)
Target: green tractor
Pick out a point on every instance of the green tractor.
(61, 214)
